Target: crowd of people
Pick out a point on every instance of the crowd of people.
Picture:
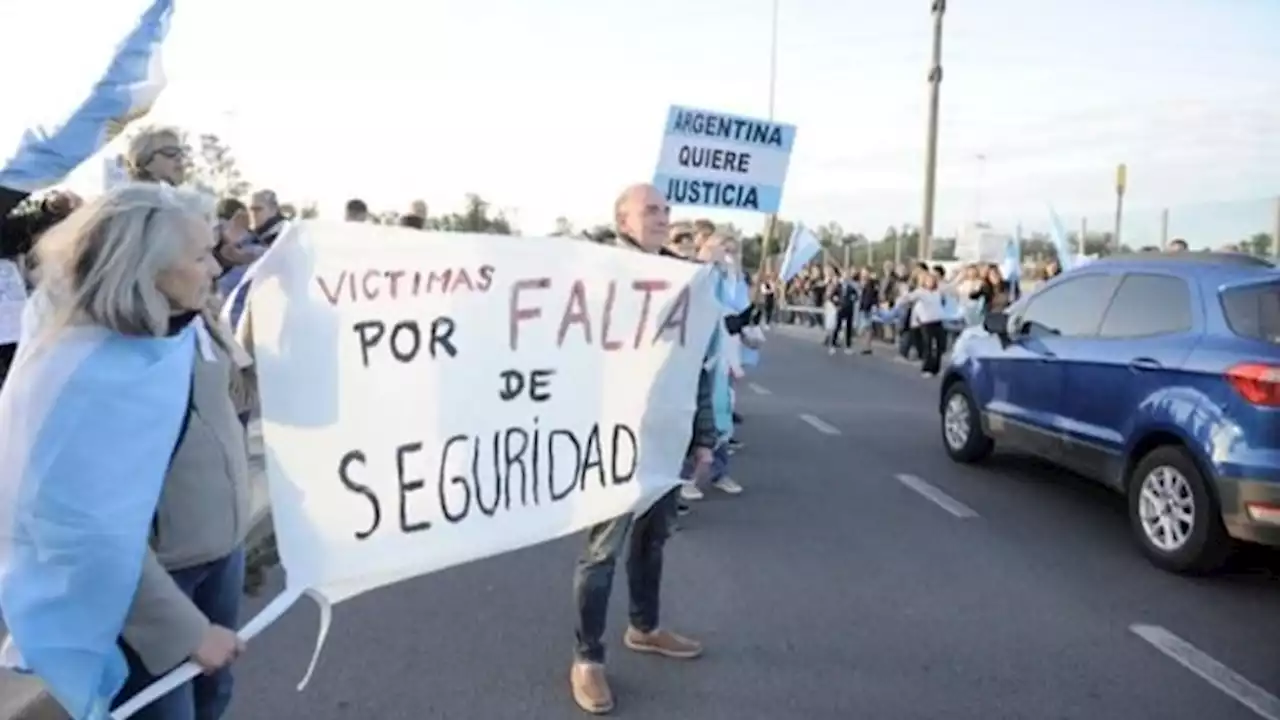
(919, 308)
(151, 259)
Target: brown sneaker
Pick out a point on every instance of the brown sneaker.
(591, 688)
(662, 642)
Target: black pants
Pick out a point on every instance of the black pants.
(770, 308)
(844, 321)
(7, 353)
(933, 338)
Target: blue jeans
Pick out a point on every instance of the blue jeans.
(215, 588)
(593, 578)
(719, 464)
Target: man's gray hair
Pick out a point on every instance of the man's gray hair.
(267, 198)
(99, 266)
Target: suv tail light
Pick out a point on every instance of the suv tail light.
(1256, 382)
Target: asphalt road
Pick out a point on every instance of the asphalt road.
(861, 574)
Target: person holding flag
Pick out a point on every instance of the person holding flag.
(801, 248)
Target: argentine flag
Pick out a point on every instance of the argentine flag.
(1066, 258)
(1011, 266)
(800, 250)
(88, 422)
(125, 92)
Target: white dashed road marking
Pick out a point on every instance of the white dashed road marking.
(937, 496)
(759, 389)
(819, 424)
(1215, 673)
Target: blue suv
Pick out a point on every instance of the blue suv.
(1157, 375)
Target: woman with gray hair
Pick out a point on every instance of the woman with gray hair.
(139, 263)
(157, 155)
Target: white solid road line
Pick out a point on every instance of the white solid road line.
(937, 497)
(819, 424)
(759, 389)
(1218, 675)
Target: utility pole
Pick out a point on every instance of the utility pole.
(1084, 235)
(1164, 229)
(1275, 232)
(771, 223)
(1122, 173)
(931, 142)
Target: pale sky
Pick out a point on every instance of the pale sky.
(550, 107)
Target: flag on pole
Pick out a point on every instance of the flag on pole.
(1066, 258)
(1011, 266)
(800, 250)
(125, 92)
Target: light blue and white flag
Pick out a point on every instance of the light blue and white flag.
(88, 423)
(126, 92)
(1066, 258)
(801, 248)
(1011, 266)
(750, 356)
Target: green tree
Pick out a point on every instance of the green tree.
(474, 218)
(563, 228)
(1258, 244)
(212, 167)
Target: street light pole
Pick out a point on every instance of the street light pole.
(977, 201)
(931, 148)
(771, 223)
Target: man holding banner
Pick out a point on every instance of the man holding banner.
(642, 216)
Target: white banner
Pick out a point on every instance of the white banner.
(429, 399)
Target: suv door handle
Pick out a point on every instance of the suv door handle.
(1144, 363)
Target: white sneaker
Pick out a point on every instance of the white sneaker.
(728, 486)
(690, 491)
(831, 351)
(848, 351)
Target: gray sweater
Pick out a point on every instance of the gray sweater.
(203, 515)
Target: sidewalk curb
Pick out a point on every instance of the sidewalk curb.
(23, 697)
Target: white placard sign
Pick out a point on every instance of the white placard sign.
(13, 297)
(433, 399)
(714, 159)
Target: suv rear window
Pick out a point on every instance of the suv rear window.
(1254, 312)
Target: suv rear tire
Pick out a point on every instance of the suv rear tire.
(1165, 480)
(965, 441)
